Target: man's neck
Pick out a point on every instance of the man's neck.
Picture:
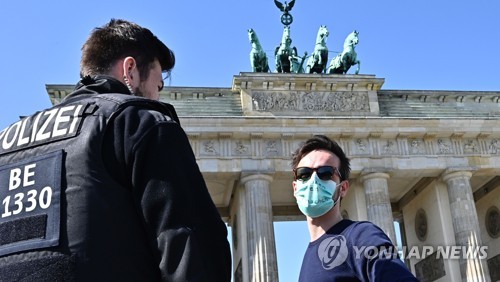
(319, 225)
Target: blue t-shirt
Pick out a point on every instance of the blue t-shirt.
(353, 251)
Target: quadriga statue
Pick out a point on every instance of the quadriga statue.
(258, 58)
(319, 58)
(284, 51)
(343, 61)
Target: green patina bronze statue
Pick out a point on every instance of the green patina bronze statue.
(258, 57)
(287, 59)
(286, 17)
(296, 62)
(283, 52)
(343, 61)
(319, 58)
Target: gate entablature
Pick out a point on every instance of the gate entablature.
(307, 94)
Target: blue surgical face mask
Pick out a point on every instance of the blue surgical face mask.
(315, 196)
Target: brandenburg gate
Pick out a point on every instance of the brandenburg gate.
(427, 159)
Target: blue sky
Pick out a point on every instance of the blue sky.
(420, 45)
(425, 44)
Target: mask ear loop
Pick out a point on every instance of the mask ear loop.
(338, 198)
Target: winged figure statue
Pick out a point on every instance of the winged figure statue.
(286, 7)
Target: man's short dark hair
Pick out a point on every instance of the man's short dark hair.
(321, 142)
(119, 39)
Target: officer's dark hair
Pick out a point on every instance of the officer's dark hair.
(321, 142)
(119, 39)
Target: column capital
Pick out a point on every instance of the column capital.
(247, 176)
(457, 172)
(370, 173)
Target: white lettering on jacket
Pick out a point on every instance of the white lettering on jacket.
(56, 123)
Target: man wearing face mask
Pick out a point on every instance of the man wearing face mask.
(337, 248)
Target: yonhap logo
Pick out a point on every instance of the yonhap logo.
(332, 252)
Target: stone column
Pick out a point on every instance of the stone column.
(378, 204)
(262, 263)
(465, 224)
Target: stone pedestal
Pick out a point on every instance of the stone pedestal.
(465, 224)
(378, 204)
(262, 264)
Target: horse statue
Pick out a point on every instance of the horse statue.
(319, 58)
(258, 57)
(343, 61)
(283, 52)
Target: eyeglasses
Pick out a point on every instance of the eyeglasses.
(323, 172)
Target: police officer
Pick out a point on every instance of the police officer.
(105, 186)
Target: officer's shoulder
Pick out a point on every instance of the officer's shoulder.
(144, 108)
(146, 112)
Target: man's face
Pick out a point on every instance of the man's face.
(317, 158)
(151, 87)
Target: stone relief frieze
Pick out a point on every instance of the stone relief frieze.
(494, 147)
(389, 148)
(209, 148)
(471, 147)
(241, 148)
(310, 101)
(359, 147)
(416, 146)
(444, 147)
(272, 148)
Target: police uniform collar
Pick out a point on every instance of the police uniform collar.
(100, 84)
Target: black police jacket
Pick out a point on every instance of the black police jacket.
(105, 187)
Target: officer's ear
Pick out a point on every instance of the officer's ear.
(130, 72)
